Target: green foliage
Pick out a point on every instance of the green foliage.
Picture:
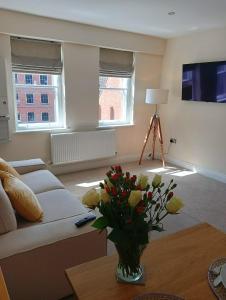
(100, 223)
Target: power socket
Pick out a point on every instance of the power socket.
(173, 140)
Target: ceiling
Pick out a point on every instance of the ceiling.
(141, 16)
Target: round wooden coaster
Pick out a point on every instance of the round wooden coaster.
(157, 296)
(220, 290)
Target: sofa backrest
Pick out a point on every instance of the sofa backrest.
(7, 215)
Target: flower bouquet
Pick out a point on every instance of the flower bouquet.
(131, 207)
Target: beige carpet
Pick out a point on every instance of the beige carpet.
(204, 198)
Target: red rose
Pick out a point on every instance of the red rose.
(118, 169)
(149, 195)
(113, 191)
(107, 189)
(124, 194)
(115, 176)
(134, 178)
(170, 195)
(140, 209)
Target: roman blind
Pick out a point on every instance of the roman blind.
(36, 56)
(116, 63)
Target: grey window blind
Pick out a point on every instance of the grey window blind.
(116, 63)
(36, 56)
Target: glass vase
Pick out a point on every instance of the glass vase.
(129, 269)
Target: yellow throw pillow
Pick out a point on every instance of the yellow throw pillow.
(5, 166)
(22, 198)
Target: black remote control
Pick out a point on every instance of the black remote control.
(85, 220)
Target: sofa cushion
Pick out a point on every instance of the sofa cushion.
(22, 198)
(7, 215)
(41, 181)
(28, 165)
(60, 204)
(6, 167)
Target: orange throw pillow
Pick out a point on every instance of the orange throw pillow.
(22, 197)
(5, 166)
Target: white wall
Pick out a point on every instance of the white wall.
(20, 24)
(81, 65)
(199, 127)
(81, 71)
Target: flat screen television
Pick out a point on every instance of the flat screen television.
(204, 82)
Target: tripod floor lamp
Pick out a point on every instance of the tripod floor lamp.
(155, 96)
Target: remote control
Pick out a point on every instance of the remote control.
(85, 220)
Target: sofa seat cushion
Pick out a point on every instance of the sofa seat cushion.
(60, 204)
(41, 181)
(7, 216)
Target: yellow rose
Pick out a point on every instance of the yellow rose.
(104, 196)
(174, 205)
(91, 198)
(143, 181)
(156, 181)
(134, 198)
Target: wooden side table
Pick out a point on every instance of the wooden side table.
(176, 264)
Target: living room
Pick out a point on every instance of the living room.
(54, 61)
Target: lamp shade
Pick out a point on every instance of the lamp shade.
(156, 96)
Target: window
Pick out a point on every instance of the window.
(43, 79)
(115, 87)
(45, 116)
(30, 98)
(114, 100)
(28, 79)
(39, 78)
(44, 93)
(44, 98)
(17, 98)
(18, 117)
(30, 116)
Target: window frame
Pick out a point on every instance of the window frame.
(44, 103)
(44, 112)
(128, 111)
(60, 115)
(30, 94)
(25, 80)
(30, 112)
(40, 81)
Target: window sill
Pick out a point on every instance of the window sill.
(115, 126)
(48, 130)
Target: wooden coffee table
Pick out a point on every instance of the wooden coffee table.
(177, 264)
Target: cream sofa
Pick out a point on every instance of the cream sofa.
(34, 257)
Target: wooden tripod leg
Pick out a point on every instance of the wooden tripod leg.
(146, 139)
(155, 122)
(161, 142)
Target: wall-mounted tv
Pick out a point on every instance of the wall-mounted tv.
(204, 82)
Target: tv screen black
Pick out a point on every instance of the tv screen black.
(204, 82)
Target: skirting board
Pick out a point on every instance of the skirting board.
(203, 171)
(86, 165)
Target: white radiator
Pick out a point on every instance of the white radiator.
(82, 146)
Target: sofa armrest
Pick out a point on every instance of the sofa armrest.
(29, 165)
